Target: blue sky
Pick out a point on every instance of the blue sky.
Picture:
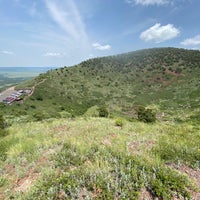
(65, 32)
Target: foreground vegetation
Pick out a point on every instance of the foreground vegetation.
(93, 158)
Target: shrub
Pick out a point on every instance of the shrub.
(2, 122)
(119, 122)
(103, 112)
(92, 112)
(146, 115)
(39, 116)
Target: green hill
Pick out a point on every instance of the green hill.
(115, 157)
(166, 77)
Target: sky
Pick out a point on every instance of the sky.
(59, 33)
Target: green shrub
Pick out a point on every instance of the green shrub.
(39, 116)
(92, 112)
(146, 115)
(3, 125)
(2, 122)
(103, 112)
(119, 122)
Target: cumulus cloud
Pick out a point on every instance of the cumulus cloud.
(158, 33)
(67, 16)
(7, 52)
(148, 2)
(101, 47)
(54, 54)
(192, 41)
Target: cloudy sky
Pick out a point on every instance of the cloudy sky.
(65, 32)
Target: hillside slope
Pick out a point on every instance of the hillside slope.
(167, 77)
(92, 158)
(117, 157)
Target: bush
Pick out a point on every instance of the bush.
(2, 122)
(3, 125)
(146, 115)
(92, 112)
(119, 122)
(39, 116)
(103, 112)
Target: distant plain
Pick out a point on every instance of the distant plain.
(10, 76)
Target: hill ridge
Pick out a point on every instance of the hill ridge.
(168, 77)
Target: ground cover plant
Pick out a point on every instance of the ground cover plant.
(92, 158)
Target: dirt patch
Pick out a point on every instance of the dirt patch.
(61, 128)
(173, 73)
(137, 146)
(24, 184)
(1, 196)
(108, 140)
(9, 169)
(145, 195)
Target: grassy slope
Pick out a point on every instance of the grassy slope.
(166, 77)
(93, 157)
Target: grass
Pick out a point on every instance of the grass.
(167, 77)
(51, 152)
(180, 144)
(92, 158)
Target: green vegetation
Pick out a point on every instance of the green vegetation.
(119, 122)
(119, 127)
(103, 112)
(167, 77)
(2, 126)
(92, 158)
(146, 115)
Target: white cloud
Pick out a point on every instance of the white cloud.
(54, 54)
(67, 16)
(148, 2)
(101, 47)
(192, 41)
(7, 52)
(158, 33)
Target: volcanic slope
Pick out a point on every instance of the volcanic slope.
(167, 77)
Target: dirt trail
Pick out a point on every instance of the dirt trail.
(36, 84)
